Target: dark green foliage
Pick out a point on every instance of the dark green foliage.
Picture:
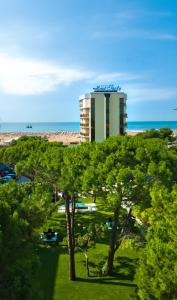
(20, 215)
(157, 273)
(162, 133)
(122, 170)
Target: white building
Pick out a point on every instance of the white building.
(102, 113)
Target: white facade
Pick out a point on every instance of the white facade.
(102, 114)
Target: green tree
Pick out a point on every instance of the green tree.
(125, 188)
(166, 133)
(157, 273)
(162, 133)
(74, 162)
(88, 239)
(21, 215)
(123, 170)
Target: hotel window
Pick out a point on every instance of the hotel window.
(92, 119)
(121, 108)
(107, 96)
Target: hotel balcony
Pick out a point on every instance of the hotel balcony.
(84, 124)
(84, 116)
(84, 130)
(85, 110)
(82, 134)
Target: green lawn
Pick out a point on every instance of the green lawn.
(53, 275)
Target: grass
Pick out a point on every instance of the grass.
(53, 274)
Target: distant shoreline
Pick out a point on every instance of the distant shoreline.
(53, 127)
(64, 136)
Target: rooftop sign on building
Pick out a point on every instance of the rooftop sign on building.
(107, 88)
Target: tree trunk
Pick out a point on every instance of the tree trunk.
(94, 197)
(72, 214)
(108, 268)
(70, 232)
(87, 263)
(123, 230)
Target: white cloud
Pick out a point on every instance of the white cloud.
(140, 93)
(20, 76)
(28, 77)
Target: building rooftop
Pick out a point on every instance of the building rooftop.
(107, 88)
(110, 88)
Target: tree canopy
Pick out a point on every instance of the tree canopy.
(23, 209)
(157, 273)
(131, 175)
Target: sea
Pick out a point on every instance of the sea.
(75, 126)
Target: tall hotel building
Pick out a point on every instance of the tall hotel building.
(102, 113)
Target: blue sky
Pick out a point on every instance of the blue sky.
(53, 51)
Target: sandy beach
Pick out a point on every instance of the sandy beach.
(65, 137)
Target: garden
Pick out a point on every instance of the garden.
(54, 271)
(124, 248)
